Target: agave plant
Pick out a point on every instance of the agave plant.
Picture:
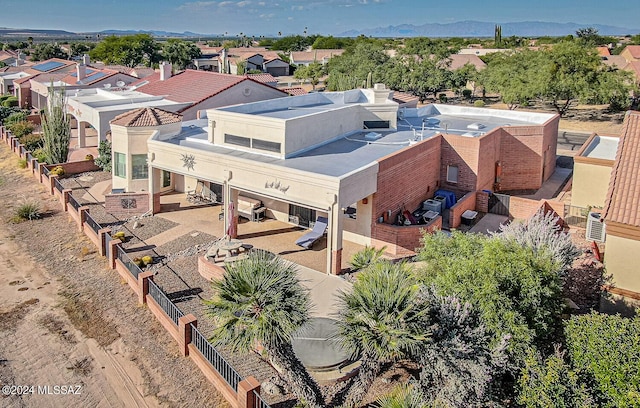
(365, 257)
(260, 301)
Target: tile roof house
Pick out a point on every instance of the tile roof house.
(321, 56)
(22, 87)
(603, 51)
(631, 53)
(460, 60)
(206, 90)
(634, 68)
(621, 214)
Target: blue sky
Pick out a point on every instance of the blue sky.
(267, 17)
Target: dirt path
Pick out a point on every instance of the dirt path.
(66, 320)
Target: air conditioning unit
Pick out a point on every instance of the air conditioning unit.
(595, 227)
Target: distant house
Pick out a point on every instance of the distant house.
(460, 60)
(22, 86)
(631, 53)
(320, 56)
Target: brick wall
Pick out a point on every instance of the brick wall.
(405, 179)
(482, 201)
(402, 240)
(461, 151)
(468, 202)
(521, 155)
(113, 204)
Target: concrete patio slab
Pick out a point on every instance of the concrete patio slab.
(489, 223)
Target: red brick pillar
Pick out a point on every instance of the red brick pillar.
(184, 332)
(101, 237)
(112, 252)
(65, 199)
(336, 261)
(143, 286)
(52, 178)
(82, 216)
(245, 392)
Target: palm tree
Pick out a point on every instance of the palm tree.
(380, 320)
(260, 301)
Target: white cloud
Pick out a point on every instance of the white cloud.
(267, 16)
(243, 3)
(197, 5)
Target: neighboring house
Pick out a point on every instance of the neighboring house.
(592, 166)
(320, 56)
(482, 51)
(634, 68)
(460, 60)
(615, 61)
(621, 215)
(205, 90)
(8, 76)
(22, 86)
(317, 154)
(267, 79)
(603, 51)
(631, 53)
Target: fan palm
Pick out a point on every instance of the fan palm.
(380, 321)
(260, 300)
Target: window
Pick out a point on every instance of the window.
(237, 140)
(265, 145)
(119, 164)
(452, 174)
(139, 169)
(376, 124)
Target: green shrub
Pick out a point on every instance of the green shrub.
(4, 97)
(479, 104)
(57, 171)
(147, 259)
(22, 163)
(118, 235)
(466, 93)
(10, 102)
(104, 156)
(31, 141)
(365, 257)
(21, 129)
(89, 157)
(28, 210)
(39, 154)
(15, 117)
(138, 261)
(443, 98)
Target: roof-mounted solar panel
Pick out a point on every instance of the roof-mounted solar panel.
(48, 66)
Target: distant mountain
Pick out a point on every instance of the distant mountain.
(154, 33)
(486, 29)
(15, 32)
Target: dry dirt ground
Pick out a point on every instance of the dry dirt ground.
(67, 320)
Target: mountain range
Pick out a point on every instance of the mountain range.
(486, 29)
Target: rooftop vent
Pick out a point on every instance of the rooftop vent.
(476, 126)
(372, 136)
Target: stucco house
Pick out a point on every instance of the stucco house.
(323, 153)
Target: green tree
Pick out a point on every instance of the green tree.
(131, 50)
(180, 53)
(104, 156)
(356, 63)
(293, 43)
(331, 42)
(260, 301)
(551, 382)
(78, 49)
(607, 349)
(381, 321)
(56, 128)
(46, 51)
(312, 72)
(516, 292)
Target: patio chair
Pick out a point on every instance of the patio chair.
(208, 195)
(307, 240)
(196, 194)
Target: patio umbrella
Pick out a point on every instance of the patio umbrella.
(231, 228)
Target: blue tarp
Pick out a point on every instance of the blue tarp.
(449, 195)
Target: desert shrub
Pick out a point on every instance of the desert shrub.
(479, 104)
(15, 117)
(466, 93)
(22, 163)
(57, 171)
(366, 257)
(28, 210)
(443, 98)
(31, 141)
(21, 129)
(4, 97)
(88, 157)
(11, 101)
(146, 260)
(104, 156)
(39, 155)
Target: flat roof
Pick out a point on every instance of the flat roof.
(602, 147)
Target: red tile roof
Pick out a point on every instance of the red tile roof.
(460, 60)
(144, 117)
(603, 51)
(403, 97)
(314, 55)
(623, 198)
(634, 50)
(634, 67)
(263, 78)
(191, 85)
(293, 91)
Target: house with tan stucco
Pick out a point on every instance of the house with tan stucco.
(354, 157)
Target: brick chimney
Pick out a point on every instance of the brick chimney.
(165, 71)
(81, 71)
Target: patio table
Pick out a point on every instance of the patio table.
(231, 246)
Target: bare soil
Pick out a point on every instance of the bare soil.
(65, 319)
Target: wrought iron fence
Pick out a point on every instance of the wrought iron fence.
(58, 185)
(93, 224)
(576, 216)
(127, 262)
(29, 157)
(73, 202)
(164, 302)
(45, 171)
(258, 401)
(107, 247)
(23, 150)
(214, 358)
